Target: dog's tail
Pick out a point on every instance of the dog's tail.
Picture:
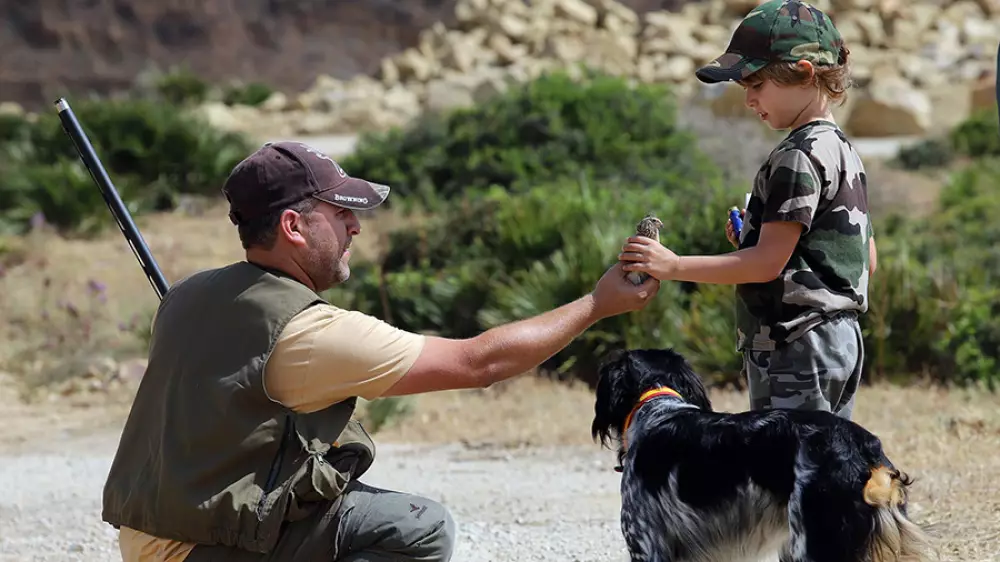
(894, 538)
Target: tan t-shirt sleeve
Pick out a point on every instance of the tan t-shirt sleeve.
(327, 354)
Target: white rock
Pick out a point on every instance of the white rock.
(890, 106)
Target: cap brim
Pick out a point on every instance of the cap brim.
(355, 194)
(729, 67)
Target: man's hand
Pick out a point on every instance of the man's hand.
(649, 256)
(506, 351)
(614, 294)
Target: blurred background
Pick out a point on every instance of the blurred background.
(523, 141)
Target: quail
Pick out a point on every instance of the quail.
(649, 227)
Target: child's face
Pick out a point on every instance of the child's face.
(780, 106)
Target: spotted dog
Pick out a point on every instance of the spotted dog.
(788, 485)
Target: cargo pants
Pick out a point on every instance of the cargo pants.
(369, 525)
(820, 370)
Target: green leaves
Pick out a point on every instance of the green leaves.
(152, 152)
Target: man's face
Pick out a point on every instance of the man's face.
(329, 230)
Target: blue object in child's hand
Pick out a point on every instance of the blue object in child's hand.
(734, 215)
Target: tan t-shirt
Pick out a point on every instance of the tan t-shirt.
(324, 355)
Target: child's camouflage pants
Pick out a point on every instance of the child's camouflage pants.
(821, 370)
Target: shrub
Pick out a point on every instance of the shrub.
(152, 152)
(979, 135)
(181, 86)
(963, 235)
(929, 153)
(252, 94)
(550, 128)
(931, 309)
(514, 232)
(501, 256)
(972, 338)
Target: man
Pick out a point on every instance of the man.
(241, 444)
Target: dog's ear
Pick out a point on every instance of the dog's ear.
(670, 368)
(607, 396)
(689, 384)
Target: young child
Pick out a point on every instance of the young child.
(806, 251)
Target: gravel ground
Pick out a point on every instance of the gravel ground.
(529, 504)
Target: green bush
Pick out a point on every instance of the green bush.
(979, 135)
(500, 256)
(929, 153)
(152, 152)
(933, 306)
(252, 94)
(526, 199)
(181, 86)
(550, 128)
(963, 234)
(975, 137)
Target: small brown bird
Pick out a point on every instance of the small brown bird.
(649, 227)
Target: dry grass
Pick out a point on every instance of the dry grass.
(949, 440)
(44, 272)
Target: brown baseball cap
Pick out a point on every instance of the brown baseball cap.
(282, 173)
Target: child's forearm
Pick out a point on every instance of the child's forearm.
(734, 268)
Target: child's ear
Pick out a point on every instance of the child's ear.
(806, 68)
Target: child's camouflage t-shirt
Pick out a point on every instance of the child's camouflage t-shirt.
(815, 177)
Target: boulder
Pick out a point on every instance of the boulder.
(890, 106)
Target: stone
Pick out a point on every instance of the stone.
(275, 103)
(577, 11)
(925, 51)
(505, 49)
(989, 7)
(950, 105)
(402, 101)
(983, 94)
(11, 108)
(512, 26)
(219, 115)
(566, 48)
(890, 106)
(443, 95)
(388, 72)
(414, 65)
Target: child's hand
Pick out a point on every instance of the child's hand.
(649, 256)
(731, 232)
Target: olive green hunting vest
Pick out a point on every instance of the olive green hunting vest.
(206, 456)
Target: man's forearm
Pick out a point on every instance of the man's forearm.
(742, 266)
(512, 349)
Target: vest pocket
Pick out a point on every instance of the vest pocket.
(276, 462)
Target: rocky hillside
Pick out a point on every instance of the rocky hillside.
(102, 45)
(49, 47)
(920, 66)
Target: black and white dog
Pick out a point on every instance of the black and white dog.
(704, 486)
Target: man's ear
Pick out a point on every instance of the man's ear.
(291, 226)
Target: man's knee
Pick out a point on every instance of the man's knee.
(407, 526)
(441, 532)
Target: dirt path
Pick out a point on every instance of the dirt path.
(514, 463)
(511, 505)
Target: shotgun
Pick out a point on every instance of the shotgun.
(90, 159)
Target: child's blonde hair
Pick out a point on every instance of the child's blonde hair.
(833, 80)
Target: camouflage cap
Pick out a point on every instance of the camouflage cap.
(774, 31)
